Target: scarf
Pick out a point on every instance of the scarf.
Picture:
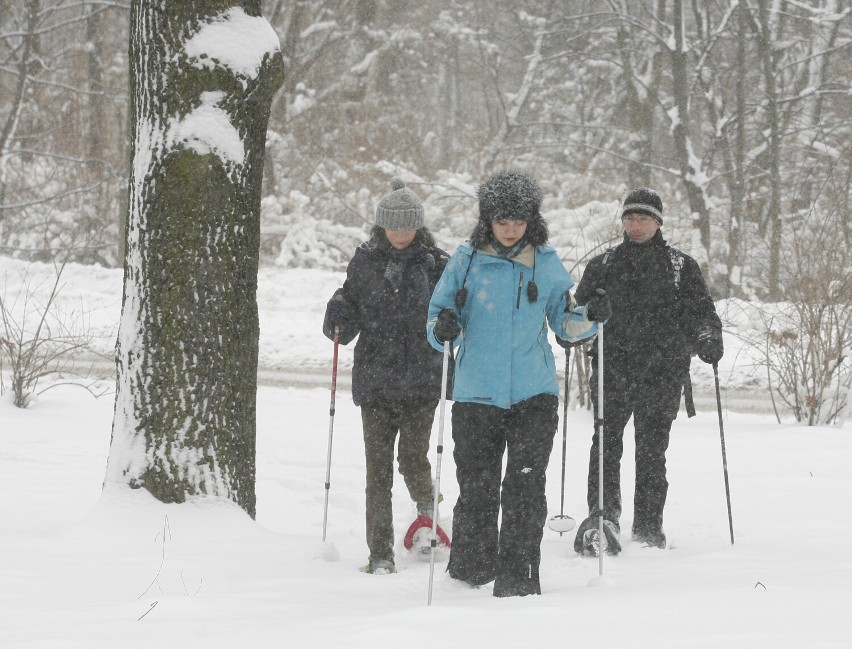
(397, 259)
(507, 253)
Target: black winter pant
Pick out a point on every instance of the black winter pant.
(480, 551)
(382, 421)
(650, 391)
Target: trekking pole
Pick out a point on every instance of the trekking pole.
(563, 523)
(436, 496)
(724, 455)
(330, 427)
(600, 426)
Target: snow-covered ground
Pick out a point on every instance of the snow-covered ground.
(84, 568)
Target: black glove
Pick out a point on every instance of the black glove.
(338, 312)
(598, 308)
(709, 345)
(447, 325)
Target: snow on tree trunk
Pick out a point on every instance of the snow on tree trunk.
(202, 75)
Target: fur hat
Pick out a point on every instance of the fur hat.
(401, 209)
(643, 200)
(509, 196)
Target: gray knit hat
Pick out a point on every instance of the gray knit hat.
(643, 200)
(401, 209)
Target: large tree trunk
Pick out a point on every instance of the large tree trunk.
(202, 75)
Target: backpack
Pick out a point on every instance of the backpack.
(676, 262)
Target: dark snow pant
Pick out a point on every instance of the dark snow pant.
(382, 421)
(480, 551)
(651, 393)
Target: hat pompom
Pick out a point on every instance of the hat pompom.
(397, 183)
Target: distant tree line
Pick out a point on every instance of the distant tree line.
(737, 111)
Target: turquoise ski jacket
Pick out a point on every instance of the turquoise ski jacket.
(504, 356)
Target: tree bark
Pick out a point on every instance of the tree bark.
(18, 97)
(185, 417)
(768, 67)
(681, 131)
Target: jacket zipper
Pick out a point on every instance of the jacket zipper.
(520, 284)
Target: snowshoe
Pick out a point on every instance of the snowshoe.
(591, 543)
(379, 567)
(418, 538)
(610, 543)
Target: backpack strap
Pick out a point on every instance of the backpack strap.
(688, 402)
(676, 260)
(607, 262)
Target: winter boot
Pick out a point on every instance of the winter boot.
(516, 585)
(379, 567)
(425, 508)
(591, 543)
(650, 538)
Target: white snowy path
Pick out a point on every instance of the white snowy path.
(83, 569)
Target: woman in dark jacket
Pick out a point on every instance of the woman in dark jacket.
(396, 377)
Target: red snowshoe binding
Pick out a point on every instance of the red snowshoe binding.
(418, 538)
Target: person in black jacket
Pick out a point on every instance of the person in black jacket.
(662, 313)
(396, 375)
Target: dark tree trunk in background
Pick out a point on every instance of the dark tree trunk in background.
(10, 122)
(681, 131)
(187, 355)
(766, 48)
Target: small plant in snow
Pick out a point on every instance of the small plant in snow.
(39, 339)
(806, 352)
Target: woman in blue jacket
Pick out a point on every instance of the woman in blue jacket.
(495, 300)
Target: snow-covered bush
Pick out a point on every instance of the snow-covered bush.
(40, 337)
(804, 343)
(807, 356)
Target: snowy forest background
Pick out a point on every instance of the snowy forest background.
(736, 111)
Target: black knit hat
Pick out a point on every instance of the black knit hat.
(643, 200)
(509, 196)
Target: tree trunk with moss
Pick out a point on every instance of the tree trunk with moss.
(202, 75)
